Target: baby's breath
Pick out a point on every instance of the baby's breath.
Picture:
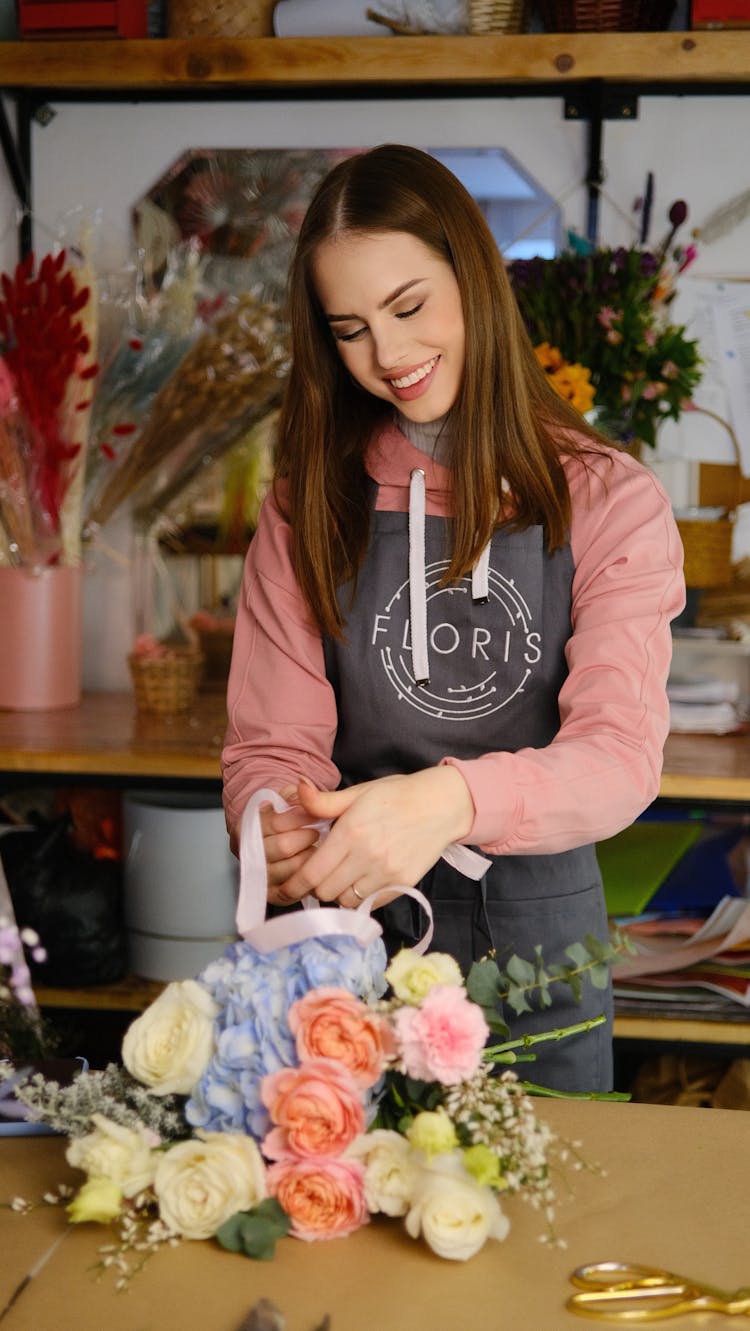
(140, 1234)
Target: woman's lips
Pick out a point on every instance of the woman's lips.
(410, 391)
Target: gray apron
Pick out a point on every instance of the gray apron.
(495, 672)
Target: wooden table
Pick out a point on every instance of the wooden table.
(675, 1194)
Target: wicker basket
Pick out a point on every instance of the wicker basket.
(708, 550)
(224, 18)
(496, 15)
(166, 684)
(605, 15)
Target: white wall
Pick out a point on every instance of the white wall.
(101, 157)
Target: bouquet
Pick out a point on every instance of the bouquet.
(300, 1085)
(606, 311)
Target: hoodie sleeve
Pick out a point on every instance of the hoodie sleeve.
(280, 705)
(603, 767)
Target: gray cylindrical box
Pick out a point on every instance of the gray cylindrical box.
(181, 883)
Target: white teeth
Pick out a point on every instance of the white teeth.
(415, 375)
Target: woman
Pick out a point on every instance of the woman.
(454, 623)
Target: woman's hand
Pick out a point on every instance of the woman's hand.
(288, 844)
(386, 833)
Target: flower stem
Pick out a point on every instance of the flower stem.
(532, 1089)
(559, 1033)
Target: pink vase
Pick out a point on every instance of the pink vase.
(40, 638)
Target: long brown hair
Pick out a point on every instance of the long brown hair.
(508, 420)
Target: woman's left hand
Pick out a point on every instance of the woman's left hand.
(385, 833)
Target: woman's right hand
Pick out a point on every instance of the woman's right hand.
(287, 843)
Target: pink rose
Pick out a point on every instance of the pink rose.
(332, 1023)
(443, 1039)
(323, 1198)
(317, 1108)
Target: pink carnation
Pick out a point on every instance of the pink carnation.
(443, 1039)
(323, 1198)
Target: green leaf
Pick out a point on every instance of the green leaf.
(483, 983)
(496, 1023)
(517, 1000)
(520, 971)
(255, 1232)
(599, 976)
(578, 954)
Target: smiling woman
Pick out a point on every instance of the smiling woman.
(454, 623)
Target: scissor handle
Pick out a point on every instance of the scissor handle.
(610, 1275)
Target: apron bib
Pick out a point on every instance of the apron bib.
(495, 672)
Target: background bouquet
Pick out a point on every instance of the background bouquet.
(606, 311)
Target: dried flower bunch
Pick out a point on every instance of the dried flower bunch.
(305, 1089)
(47, 364)
(607, 311)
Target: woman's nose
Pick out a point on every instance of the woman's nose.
(390, 346)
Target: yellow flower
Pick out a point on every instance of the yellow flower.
(100, 1200)
(573, 382)
(483, 1165)
(433, 1133)
(411, 977)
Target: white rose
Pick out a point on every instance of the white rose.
(123, 1156)
(454, 1215)
(411, 977)
(168, 1047)
(390, 1170)
(204, 1182)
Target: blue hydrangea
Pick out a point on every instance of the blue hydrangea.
(254, 991)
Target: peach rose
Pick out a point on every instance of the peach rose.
(332, 1023)
(317, 1109)
(324, 1199)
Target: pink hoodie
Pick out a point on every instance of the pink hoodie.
(603, 766)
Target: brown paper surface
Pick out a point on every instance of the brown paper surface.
(676, 1194)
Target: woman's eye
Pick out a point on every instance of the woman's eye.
(349, 337)
(406, 314)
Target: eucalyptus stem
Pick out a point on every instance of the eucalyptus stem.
(559, 1033)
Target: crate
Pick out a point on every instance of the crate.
(495, 15)
(83, 18)
(605, 15)
(720, 14)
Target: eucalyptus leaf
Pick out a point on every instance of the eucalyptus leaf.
(255, 1232)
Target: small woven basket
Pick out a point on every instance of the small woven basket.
(224, 18)
(495, 15)
(708, 551)
(605, 15)
(166, 684)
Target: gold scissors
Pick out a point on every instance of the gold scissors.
(627, 1292)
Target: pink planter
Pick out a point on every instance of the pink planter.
(40, 638)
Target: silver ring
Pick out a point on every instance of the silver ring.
(357, 894)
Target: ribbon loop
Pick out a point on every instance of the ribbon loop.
(316, 921)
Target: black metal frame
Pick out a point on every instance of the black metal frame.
(594, 101)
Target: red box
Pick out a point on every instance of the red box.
(720, 14)
(83, 18)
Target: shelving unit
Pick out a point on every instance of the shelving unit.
(104, 739)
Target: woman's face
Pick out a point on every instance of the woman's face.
(394, 309)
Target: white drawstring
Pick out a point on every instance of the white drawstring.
(480, 585)
(417, 578)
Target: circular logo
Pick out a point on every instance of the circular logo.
(481, 656)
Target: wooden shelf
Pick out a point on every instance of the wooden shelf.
(169, 65)
(681, 1030)
(105, 736)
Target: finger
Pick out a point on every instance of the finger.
(279, 872)
(272, 823)
(328, 803)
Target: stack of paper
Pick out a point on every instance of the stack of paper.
(705, 704)
(685, 955)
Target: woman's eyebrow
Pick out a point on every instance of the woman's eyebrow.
(405, 286)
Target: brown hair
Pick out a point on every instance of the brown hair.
(518, 427)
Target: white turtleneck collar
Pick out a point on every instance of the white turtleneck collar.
(431, 437)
